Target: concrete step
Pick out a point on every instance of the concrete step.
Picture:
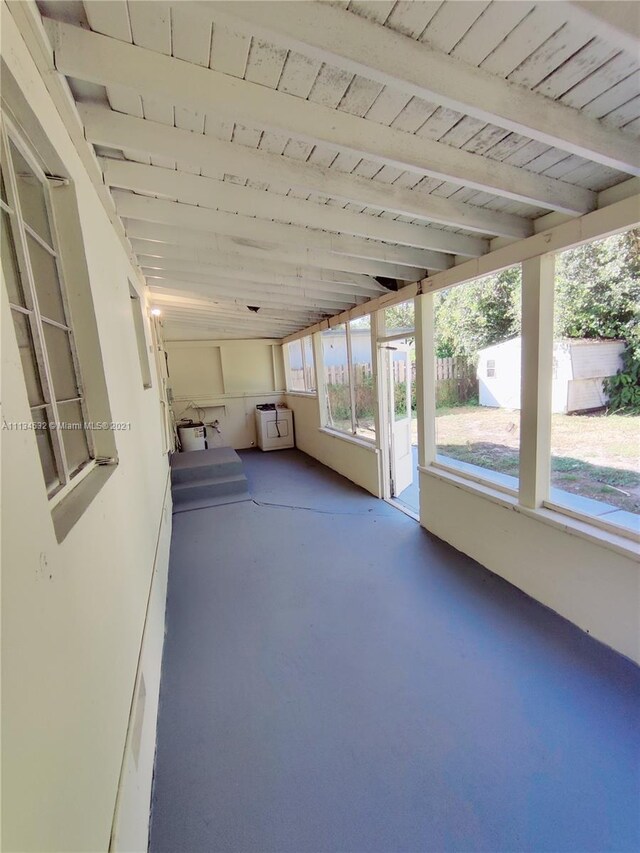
(196, 465)
(209, 487)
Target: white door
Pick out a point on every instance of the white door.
(401, 457)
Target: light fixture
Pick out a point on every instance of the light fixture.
(156, 312)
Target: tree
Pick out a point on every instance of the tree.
(477, 314)
(598, 290)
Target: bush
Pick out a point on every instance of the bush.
(624, 388)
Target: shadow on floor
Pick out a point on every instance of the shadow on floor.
(336, 679)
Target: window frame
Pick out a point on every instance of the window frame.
(19, 230)
(137, 316)
(352, 434)
(537, 315)
(311, 392)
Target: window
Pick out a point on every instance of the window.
(478, 349)
(349, 378)
(362, 377)
(141, 340)
(301, 375)
(33, 276)
(595, 397)
(335, 356)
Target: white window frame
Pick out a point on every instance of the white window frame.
(137, 315)
(321, 374)
(19, 230)
(533, 495)
(312, 392)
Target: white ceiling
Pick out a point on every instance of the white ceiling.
(289, 156)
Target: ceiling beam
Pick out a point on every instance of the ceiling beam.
(149, 254)
(361, 46)
(107, 61)
(235, 225)
(253, 293)
(117, 130)
(230, 251)
(223, 195)
(170, 299)
(235, 320)
(320, 288)
(255, 274)
(617, 22)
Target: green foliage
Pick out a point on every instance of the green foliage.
(401, 316)
(477, 314)
(624, 388)
(598, 290)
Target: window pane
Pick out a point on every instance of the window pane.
(310, 373)
(478, 347)
(31, 192)
(63, 371)
(45, 449)
(73, 435)
(10, 264)
(595, 424)
(28, 357)
(400, 318)
(47, 283)
(362, 371)
(336, 373)
(296, 372)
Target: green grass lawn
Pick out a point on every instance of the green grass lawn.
(593, 455)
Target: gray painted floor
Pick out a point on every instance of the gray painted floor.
(336, 679)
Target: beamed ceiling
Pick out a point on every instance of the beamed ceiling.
(302, 157)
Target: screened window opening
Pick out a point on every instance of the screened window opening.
(349, 378)
(595, 392)
(478, 351)
(32, 274)
(301, 374)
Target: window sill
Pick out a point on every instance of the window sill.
(617, 542)
(312, 395)
(71, 507)
(484, 476)
(352, 439)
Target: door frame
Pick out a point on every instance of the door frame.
(383, 361)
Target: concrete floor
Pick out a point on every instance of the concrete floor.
(336, 679)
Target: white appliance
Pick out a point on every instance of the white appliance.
(274, 428)
(192, 435)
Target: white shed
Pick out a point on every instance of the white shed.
(579, 366)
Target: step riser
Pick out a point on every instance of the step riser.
(209, 490)
(205, 472)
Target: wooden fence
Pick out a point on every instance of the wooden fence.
(456, 380)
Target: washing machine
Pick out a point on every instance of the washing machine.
(274, 427)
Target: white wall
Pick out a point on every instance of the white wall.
(591, 585)
(225, 380)
(356, 461)
(73, 613)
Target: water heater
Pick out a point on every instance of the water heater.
(192, 435)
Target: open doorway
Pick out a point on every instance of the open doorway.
(398, 413)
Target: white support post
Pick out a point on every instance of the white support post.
(321, 385)
(425, 378)
(536, 379)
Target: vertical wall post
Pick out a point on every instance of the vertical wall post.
(536, 379)
(321, 386)
(425, 378)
